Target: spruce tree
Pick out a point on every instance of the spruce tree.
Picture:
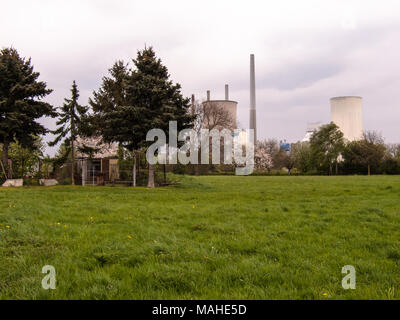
(150, 100)
(21, 103)
(106, 100)
(112, 92)
(71, 116)
(156, 98)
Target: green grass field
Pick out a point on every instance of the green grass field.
(208, 238)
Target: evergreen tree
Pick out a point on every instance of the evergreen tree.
(106, 99)
(107, 104)
(70, 121)
(156, 98)
(112, 92)
(150, 100)
(20, 103)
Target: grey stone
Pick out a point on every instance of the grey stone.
(13, 183)
(48, 182)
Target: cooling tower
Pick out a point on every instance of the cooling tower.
(346, 113)
(228, 105)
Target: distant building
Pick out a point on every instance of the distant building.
(284, 146)
(241, 137)
(213, 110)
(311, 128)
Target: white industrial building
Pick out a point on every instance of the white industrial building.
(311, 128)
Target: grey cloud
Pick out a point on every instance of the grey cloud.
(303, 55)
(300, 75)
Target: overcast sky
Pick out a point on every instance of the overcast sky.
(306, 52)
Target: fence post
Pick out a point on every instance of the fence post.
(84, 171)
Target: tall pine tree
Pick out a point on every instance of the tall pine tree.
(70, 121)
(21, 103)
(108, 99)
(151, 100)
(112, 92)
(156, 97)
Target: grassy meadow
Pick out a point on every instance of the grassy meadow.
(207, 238)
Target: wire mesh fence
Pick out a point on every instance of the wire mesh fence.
(108, 171)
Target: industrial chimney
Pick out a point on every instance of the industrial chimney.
(226, 92)
(253, 119)
(193, 105)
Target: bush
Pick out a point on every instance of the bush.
(31, 182)
(390, 166)
(66, 181)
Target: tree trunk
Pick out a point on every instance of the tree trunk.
(330, 169)
(22, 167)
(337, 169)
(6, 146)
(73, 162)
(134, 169)
(10, 170)
(165, 173)
(150, 182)
(3, 170)
(138, 166)
(40, 168)
(369, 169)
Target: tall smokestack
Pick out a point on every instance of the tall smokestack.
(208, 95)
(253, 119)
(192, 106)
(226, 92)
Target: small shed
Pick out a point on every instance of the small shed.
(97, 161)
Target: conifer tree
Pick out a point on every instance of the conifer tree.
(156, 98)
(71, 117)
(21, 103)
(151, 100)
(112, 92)
(106, 99)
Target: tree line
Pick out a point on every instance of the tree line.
(328, 153)
(129, 103)
(138, 96)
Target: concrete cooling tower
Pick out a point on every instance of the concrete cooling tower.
(228, 105)
(346, 113)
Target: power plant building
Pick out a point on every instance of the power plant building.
(212, 107)
(209, 106)
(311, 128)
